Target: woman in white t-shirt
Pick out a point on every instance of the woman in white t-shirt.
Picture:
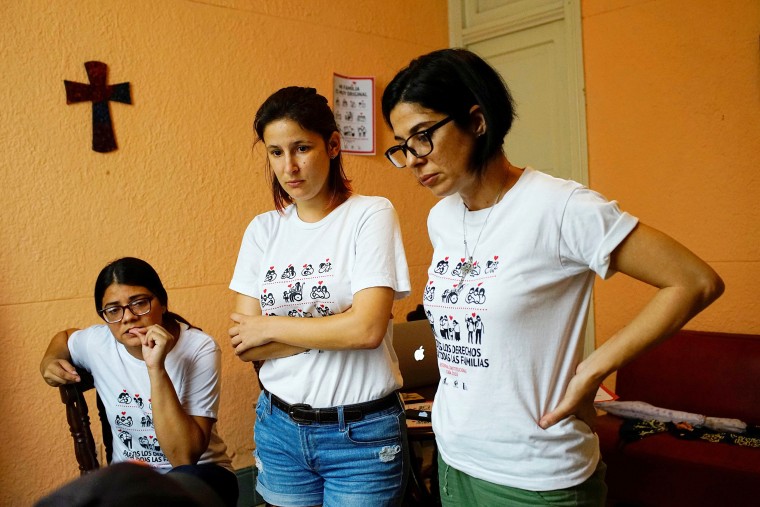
(515, 254)
(315, 280)
(157, 376)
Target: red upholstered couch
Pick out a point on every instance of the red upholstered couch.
(713, 374)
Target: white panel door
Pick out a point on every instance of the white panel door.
(531, 63)
(536, 47)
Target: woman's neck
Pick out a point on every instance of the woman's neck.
(312, 212)
(488, 189)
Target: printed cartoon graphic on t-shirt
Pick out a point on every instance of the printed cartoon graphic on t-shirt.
(429, 291)
(442, 266)
(320, 291)
(429, 316)
(293, 292)
(266, 299)
(290, 272)
(451, 296)
(324, 311)
(305, 292)
(126, 438)
(476, 295)
(459, 270)
(134, 422)
(457, 316)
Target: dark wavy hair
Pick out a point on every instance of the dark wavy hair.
(451, 81)
(312, 112)
(136, 272)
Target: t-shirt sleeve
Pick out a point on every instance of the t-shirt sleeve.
(592, 228)
(245, 279)
(380, 255)
(200, 396)
(79, 351)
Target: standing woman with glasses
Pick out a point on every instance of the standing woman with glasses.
(157, 376)
(315, 280)
(513, 414)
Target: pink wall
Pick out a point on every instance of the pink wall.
(673, 114)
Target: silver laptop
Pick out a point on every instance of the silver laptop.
(415, 348)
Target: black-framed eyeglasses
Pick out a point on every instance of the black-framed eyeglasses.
(114, 313)
(419, 145)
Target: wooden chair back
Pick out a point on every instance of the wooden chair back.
(77, 415)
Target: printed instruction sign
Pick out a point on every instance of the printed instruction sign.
(354, 108)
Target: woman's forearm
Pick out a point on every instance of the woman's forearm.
(363, 326)
(664, 314)
(55, 366)
(179, 434)
(271, 350)
(686, 286)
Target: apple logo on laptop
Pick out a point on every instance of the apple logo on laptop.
(419, 354)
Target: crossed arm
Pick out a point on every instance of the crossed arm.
(686, 285)
(184, 438)
(256, 337)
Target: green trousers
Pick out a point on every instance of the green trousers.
(461, 490)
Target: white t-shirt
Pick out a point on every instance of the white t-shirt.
(301, 269)
(123, 385)
(511, 336)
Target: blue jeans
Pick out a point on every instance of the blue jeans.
(361, 463)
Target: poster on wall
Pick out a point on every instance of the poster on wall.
(354, 108)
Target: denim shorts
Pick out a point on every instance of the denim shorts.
(360, 463)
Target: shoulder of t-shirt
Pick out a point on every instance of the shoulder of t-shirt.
(370, 202)
(361, 208)
(94, 335)
(269, 217)
(85, 342)
(548, 185)
(264, 224)
(197, 340)
(446, 205)
(541, 191)
(533, 186)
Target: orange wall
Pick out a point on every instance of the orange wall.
(673, 115)
(672, 94)
(183, 184)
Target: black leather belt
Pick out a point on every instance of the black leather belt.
(305, 414)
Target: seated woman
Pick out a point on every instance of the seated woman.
(157, 375)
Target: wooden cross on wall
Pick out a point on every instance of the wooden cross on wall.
(100, 94)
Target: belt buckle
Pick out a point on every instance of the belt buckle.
(299, 406)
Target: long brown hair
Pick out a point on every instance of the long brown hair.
(312, 112)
